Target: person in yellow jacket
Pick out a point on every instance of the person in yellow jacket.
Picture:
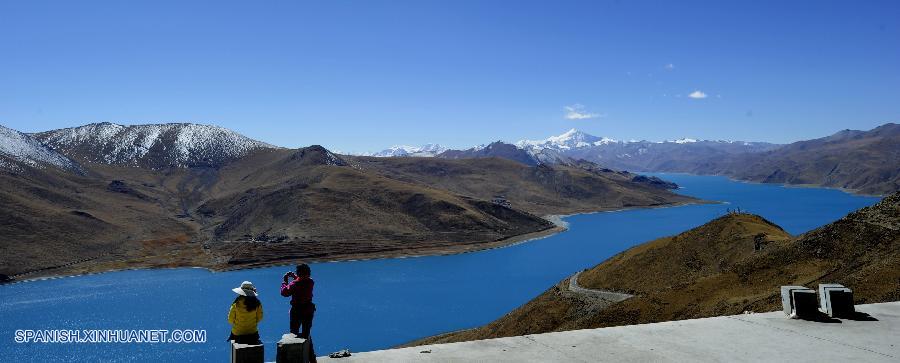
(245, 314)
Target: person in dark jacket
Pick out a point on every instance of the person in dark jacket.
(300, 290)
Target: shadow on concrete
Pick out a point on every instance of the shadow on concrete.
(823, 318)
(859, 316)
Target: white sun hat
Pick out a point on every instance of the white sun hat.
(246, 289)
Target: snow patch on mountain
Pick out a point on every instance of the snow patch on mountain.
(333, 160)
(427, 150)
(27, 150)
(174, 144)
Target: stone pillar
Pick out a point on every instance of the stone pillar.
(292, 349)
(799, 301)
(836, 300)
(247, 353)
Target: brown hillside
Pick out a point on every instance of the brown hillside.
(540, 189)
(313, 209)
(864, 161)
(51, 218)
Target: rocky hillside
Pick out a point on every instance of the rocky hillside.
(733, 264)
(193, 195)
(151, 146)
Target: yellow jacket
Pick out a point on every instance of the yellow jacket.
(242, 321)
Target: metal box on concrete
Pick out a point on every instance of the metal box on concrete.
(836, 300)
(799, 301)
(247, 353)
(292, 349)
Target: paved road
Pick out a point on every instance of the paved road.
(602, 294)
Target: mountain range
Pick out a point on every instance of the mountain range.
(865, 162)
(106, 196)
(641, 156)
(730, 265)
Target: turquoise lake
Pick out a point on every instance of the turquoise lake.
(376, 304)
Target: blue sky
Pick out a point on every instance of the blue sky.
(362, 75)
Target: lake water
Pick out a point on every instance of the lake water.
(368, 305)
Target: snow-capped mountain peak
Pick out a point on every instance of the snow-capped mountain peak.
(571, 139)
(154, 145)
(25, 149)
(568, 135)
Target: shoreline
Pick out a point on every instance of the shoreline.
(423, 252)
(420, 252)
(559, 226)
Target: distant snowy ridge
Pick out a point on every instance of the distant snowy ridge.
(669, 155)
(641, 155)
(575, 139)
(547, 150)
(27, 150)
(427, 150)
(569, 140)
(155, 145)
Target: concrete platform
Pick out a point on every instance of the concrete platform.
(751, 338)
